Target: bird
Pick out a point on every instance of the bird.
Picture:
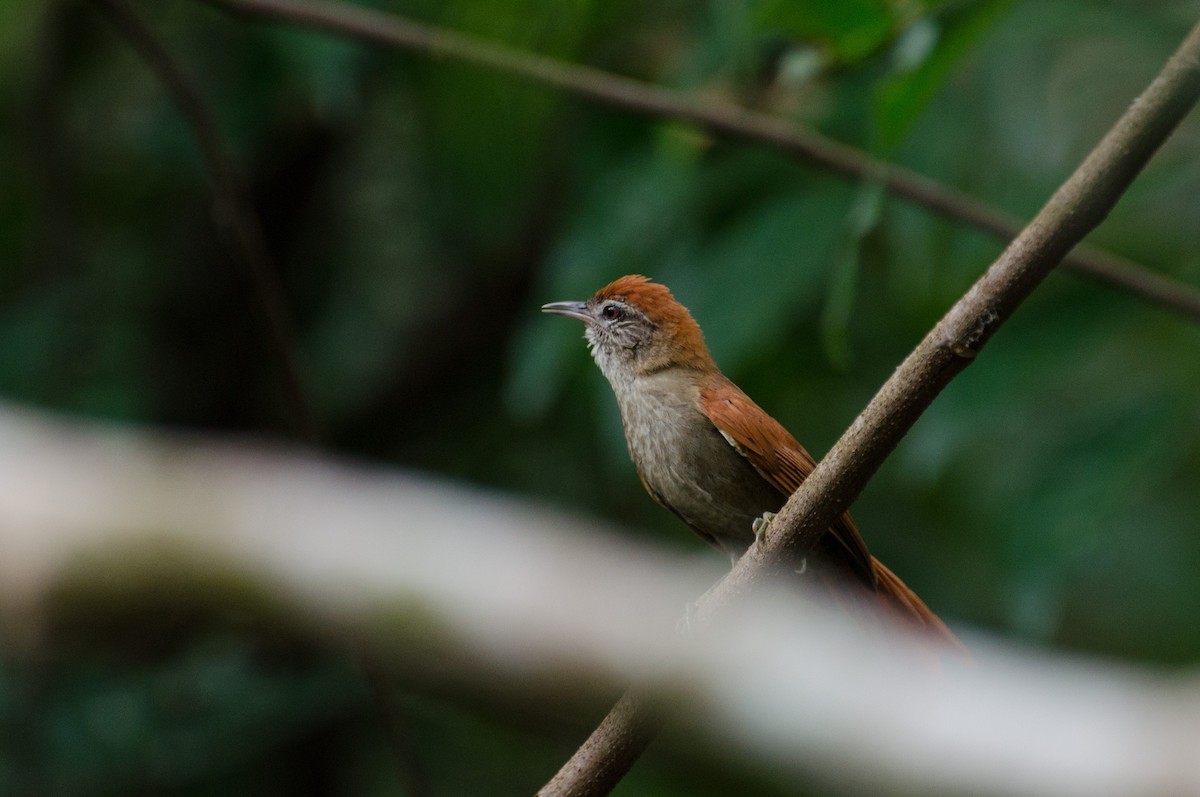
(704, 450)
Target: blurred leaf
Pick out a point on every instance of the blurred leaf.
(755, 277)
(207, 715)
(862, 219)
(19, 20)
(925, 55)
(327, 68)
(852, 29)
(31, 332)
(487, 164)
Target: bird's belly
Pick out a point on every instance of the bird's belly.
(691, 469)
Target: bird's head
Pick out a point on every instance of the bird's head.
(636, 327)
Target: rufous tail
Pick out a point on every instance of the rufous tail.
(900, 598)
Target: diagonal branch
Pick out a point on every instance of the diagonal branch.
(728, 120)
(234, 210)
(1077, 207)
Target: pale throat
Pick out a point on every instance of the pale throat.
(655, 407)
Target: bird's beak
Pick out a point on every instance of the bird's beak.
(577, 310)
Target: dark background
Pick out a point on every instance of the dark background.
(420, 211)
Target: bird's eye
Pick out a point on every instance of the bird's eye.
(612, 312)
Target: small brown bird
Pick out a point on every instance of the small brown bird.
(703, 449)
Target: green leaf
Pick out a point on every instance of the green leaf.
(924, 56)
(862, 219)
(748, 283)
(487, 164)
(851, 29)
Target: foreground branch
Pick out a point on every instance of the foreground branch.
(727, 120)
(1077, 207)
(484, 590)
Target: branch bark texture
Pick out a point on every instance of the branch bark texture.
(1075, 209)
(609, 752)
(726, 120)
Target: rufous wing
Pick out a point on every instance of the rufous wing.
(778, 458)
(784, 463)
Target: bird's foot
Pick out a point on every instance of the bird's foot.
(759, 526)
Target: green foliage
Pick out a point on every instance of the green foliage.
(924, 56)
(198, 721)
(853, 30)
(419, 212)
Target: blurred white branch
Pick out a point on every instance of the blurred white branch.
(524, 592)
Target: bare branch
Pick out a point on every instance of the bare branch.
(234, 212)
(632, 95)
(1075, 209)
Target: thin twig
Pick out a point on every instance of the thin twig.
(1076, 208)
(729, 120)
(233, 210)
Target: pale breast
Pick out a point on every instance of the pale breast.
(687, 464)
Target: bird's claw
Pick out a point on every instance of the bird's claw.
(759, 526)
